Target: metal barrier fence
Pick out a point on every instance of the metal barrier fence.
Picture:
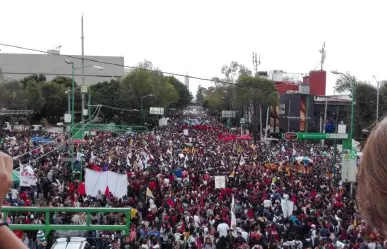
(48, 211)
(111, 128)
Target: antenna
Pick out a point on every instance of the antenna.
(323, 55)
(256, 62)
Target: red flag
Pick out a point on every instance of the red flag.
(95, 167)
(82, 189)
(107, 191)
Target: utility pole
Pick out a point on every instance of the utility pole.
(267, 120)
(256, 63)
(377, 98)
(325, 119)
(83, 72)
(288, 116)
(335, 142)
(323, 55)
(260, 122)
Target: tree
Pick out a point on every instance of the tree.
(364, 99)
(55, 100)
(233, 70)
(185, 96)
(12, 96)
(200, 94)
(34, 78)
(256, 90)
(107, 93)
(35, 99)
(65, 81)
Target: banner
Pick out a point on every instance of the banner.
(96, 181)
(27, 176)
(220, 182)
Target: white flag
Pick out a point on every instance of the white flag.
(242, 161)
(233, 217)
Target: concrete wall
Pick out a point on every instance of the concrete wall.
(18, 66)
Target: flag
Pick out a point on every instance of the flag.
(294, 152)
(283, 148)
(233, 217)
(242, 161)
(232, 174)
(149, 193)
(107, 191)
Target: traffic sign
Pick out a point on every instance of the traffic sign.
(83, 89)
(290, 136)
(314, 135)
(348, 166)
(242, 121)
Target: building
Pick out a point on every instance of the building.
(304, 112)
(314, 83)
(18, 66)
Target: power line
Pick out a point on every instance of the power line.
(115, 64)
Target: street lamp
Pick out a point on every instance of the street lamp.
(377, 98)
(73, 103)
(352, 100)
(142, 113)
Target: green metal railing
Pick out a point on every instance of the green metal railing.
(110, 128)
(47, 227)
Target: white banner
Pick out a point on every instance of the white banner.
(99, 180)
(27, 176)
(220, 181)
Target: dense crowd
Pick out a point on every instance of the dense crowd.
(269, 198)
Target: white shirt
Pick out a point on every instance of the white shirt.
(197, 221)
(267, 203)
(14, 194)
(223, 229)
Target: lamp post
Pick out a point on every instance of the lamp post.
(73, 103)
(142, 113)
(377, 98)
(352, 101)
(349, 141)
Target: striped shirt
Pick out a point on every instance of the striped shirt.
(41, 238)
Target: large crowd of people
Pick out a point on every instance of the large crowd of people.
(190, 188)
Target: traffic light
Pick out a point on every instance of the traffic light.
(290, 136)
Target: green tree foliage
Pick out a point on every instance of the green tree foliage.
(200, 94)
(185, 96)
(35, 97)
(12, 95)
(365, 101)
(242, 90)
(64, 81)
(48, 99)
(55, 100)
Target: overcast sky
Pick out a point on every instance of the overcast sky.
(198, 37)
